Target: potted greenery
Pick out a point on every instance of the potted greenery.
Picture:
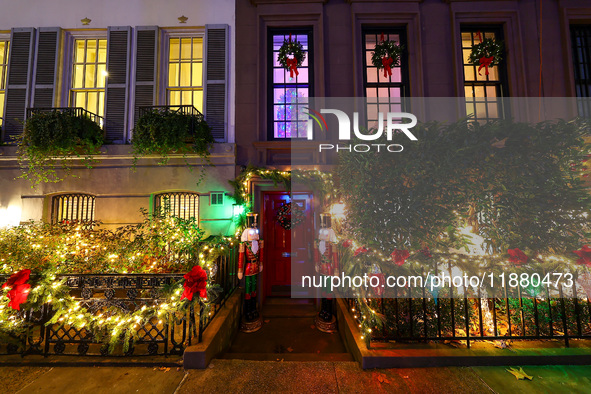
(52, 136)
(164, 131)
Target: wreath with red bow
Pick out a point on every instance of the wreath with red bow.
(385, 55)
(289, 218)
(486, 54)
(291, 56)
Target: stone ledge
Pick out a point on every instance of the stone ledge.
(218, 336)
(439, 355)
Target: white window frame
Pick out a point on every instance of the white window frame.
(165, 35)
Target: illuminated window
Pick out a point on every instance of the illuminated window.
(289, 95)
(581, 48)
(185, 72)
(483, 92)
(384, 93)
(88, 75)
(72, 208)
(4, 45)
(183, 205)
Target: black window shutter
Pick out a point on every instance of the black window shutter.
(216, 79)
(116, 89)
(20, 65)
(48, 40)
(146, 46)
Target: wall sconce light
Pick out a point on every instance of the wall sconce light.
(85, 21)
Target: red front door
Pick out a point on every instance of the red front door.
(278, 242)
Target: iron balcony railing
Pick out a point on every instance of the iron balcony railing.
(74, 111)
(196, 116)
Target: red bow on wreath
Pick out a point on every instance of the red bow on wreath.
(485, 62)
(292, 63)
(387, 63)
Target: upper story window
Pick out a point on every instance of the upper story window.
(483, 92)
(72, 208)
(581, 48)
(184, 205)
(381, 87)
(89, 71)
(185, 72)
(288, 94)
(4, 47)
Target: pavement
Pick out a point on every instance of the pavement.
(246, 376)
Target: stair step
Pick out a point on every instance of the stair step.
(288, 356)
(270, 311)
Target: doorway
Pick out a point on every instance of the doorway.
(284, 245)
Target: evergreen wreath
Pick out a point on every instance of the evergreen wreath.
(383, 49)
(289, 219)
(293, 48)
(485, 49)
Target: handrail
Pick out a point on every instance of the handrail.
(74, 111)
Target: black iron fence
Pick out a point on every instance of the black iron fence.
(165, 335)
(469, 314)
(73, 111)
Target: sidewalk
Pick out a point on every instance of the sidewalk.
(239, 376)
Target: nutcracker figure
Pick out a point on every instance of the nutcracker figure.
(327, 264)
(250, 264)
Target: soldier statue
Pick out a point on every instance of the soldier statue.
(250, 264)
(327, 264)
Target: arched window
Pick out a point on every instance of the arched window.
(74, 207)
(183, 205)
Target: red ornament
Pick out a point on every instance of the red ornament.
(195, 282)
(399, 256)
(347, 243)
(426, 252)
(517, 256)
(360, 250)
(585, 255)
(18, 289)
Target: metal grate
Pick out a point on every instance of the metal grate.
(184, 205)
(581, 48)
(72, 208)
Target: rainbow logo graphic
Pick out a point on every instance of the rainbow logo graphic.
(318, 118)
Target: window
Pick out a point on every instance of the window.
(88, 75)
(380, 88)
(581, 48)
(4, 46)
(483, 92)
(183, 205)
(185, 72)
(72, 208)
(289, 95)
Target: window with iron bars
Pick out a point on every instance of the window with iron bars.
(184, 205)
(72, 208)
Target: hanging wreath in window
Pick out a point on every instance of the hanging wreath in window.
(291, 56)
(386, 55)
(289, 218)
(487, 53)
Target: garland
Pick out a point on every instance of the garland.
(386, 54)
(291, 56)
(488, 53)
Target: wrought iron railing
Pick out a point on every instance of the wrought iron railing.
(517, 315)
(73, 111)
(196, 116)
(127, 292)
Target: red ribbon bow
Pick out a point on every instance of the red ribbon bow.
(485, 62)
(387, 63)
(293, 66)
